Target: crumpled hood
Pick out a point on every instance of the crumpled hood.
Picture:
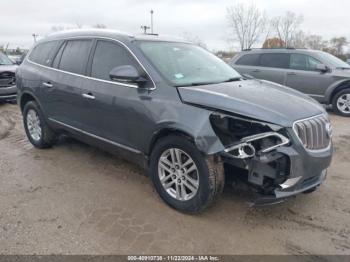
(258, 99)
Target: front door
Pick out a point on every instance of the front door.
(116, 110)
(303, 76)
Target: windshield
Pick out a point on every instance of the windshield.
(332, 61)
(186, 64)
(4, 60)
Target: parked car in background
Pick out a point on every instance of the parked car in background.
(318, 74)
(17, 59)
(177, 110)
(8, 89)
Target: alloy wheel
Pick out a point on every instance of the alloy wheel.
(178, 174)
(343, 103)
(33, 125)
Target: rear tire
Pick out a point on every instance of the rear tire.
(38, 132)
(341, 102)
(199, 182)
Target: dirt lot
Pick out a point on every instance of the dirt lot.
(75, 199)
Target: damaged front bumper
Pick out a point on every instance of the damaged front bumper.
(8, 93)
(284, 172)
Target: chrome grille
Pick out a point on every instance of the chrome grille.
(314, 133)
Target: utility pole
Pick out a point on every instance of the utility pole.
(152, 21)
(145, 28)
(34, 36)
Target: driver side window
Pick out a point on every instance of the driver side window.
(303, 62)
(107, 56)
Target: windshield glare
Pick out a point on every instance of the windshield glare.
(4, 60)
(186, 64)
(333, 61)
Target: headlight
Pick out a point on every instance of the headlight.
(245, 138)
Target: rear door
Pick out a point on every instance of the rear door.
(273, 67)
(302, 75)
(248, 64)
(64, 90)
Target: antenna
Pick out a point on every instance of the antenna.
(145, 28)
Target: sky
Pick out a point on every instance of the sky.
(205, 19)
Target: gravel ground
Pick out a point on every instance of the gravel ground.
(76, 199)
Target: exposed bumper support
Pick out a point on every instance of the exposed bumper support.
(281, 196)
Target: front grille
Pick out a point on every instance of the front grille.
(314, 132)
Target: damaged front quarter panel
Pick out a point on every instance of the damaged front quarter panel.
(251, 147)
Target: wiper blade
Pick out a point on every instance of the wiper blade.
(343, 68)
(233, 79)
(197, 84)
(210, 83)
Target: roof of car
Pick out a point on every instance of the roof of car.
(277, 50)
(109, 33)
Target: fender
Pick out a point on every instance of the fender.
(330, 90)
(29, 92)
(199, 130)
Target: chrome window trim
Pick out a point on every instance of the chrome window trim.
(301, 142)
(97, 137)
(93, 78)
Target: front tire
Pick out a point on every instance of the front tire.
(184, 178)
(38, 132)
(341, 102)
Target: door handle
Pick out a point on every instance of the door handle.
(88, 96)
(47, 84)
(256, 71)
(291, 74)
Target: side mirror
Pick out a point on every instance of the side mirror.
(322, 68)
(126, 73)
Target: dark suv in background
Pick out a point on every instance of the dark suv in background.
(177, 110)
(318, 74)
(8, 89)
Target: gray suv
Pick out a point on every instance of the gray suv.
(8, 90)
(176, 110)
(315, 73)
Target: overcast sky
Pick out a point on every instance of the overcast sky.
(203, 18)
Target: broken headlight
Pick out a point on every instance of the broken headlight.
(245, 138)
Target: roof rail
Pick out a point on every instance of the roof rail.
(273, 48)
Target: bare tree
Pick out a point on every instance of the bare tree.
(286, 27)
(247, 23)
(315, 42)
(338, 44)
(299, 40)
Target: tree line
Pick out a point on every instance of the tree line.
(251, 26)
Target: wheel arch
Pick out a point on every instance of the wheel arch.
(25, 97)
(167, 131)
(335, 88)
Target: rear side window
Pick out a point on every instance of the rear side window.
(109, 55)
(275, 60)
(249, 60)
(75, 56)
(42, 53)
